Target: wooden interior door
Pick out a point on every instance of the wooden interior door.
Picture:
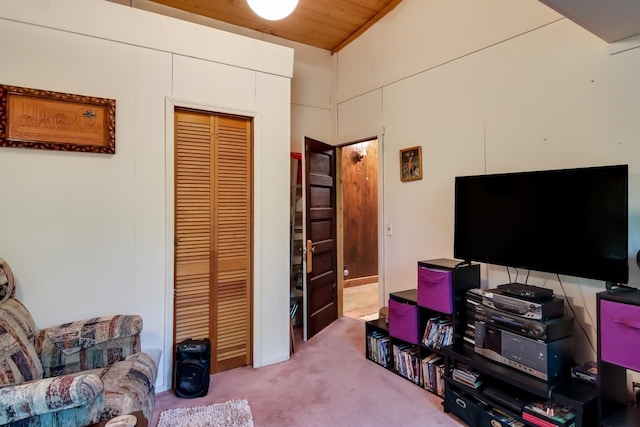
(213, 229)
(321, 293)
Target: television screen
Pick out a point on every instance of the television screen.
(570, 221)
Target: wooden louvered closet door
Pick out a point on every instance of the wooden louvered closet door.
(213, 234)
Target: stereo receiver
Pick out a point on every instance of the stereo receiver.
(546, 361)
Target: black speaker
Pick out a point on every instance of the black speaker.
(191, 370)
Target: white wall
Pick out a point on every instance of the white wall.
(90, 234)
(489, 86)
(312, 105)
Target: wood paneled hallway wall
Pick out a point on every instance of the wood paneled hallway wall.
(360, 212)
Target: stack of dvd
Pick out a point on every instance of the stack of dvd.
(467, 376)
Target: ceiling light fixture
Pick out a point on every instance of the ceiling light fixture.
(273, 10)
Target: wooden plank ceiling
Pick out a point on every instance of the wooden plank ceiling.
(327, 24)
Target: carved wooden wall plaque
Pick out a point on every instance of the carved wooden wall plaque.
(32, 118)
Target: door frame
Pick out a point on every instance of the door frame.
(170, 105)
(341, 215)
(340, 227)
(381, 242)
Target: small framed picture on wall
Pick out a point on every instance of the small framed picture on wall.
(411, 164)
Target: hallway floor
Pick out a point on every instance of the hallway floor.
(359, 301)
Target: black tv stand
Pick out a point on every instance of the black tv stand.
(463, 263)
(615, 288)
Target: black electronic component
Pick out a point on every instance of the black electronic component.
(192, 368)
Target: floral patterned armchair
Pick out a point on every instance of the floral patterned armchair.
(73, 374)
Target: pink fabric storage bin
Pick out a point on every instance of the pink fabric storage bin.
(403, 321)
(435, 289)
(620, 334)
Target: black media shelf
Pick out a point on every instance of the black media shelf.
(618, 314)
(575, 394)
(504, 373)
(377, 324)
(414, 309)
(381, 326)
(482, 398)
(625, 416)
(379, 330)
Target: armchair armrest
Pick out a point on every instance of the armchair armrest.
(87, 344)
(83, 393)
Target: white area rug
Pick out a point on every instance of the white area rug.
(234, 413)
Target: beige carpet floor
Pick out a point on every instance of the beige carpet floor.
(358, 301)
(328, 382)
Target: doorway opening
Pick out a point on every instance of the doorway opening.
(359, 173)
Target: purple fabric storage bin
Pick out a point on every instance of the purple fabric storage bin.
(620, 334)
(403, 321)
(434, 289)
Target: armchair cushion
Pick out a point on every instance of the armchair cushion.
(129, 386)
(19, 361)
(88, 344)
(74, 398)
(7, 284)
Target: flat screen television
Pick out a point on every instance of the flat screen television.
(571, 221)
